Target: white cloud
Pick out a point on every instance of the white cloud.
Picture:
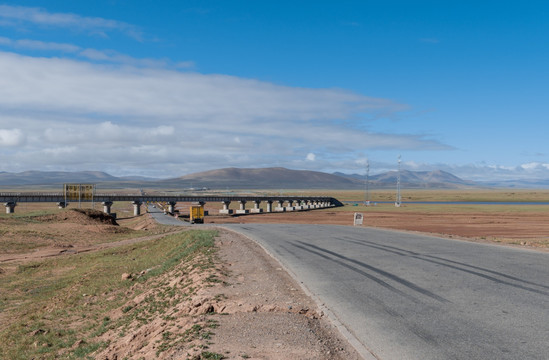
(61, 85)
(533, 166)
(107, 133)
(163, 131)
(60, 151)
(5, 41)
(106, 56)
(41, 45)
(14, 15)
(185, 65)
(104, 116)
(116, 57)
(11, 137)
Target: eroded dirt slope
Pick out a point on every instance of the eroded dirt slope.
(245, 307)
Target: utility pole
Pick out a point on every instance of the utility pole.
(366, 184)
(398, 198)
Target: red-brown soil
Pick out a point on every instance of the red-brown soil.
(529, 229)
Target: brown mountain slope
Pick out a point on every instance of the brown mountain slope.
(282, 178)
(265, 178)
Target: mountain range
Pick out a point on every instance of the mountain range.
(238, 178)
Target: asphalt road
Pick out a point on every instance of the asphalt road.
(407, 296)
(161, 218)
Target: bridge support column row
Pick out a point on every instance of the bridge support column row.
(299, 205)
(226, 209)
(256, 209)
(242, 208)
(171, 206)
(136, 207)
(107, 207)
(290, 206)
(10, 207)
(280, 206)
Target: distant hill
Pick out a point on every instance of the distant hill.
(413, 179)
(60, 177)
(423, 179)
(282, 178)
(518, 184)
(238, 178)
(52, 177)
(264, 178)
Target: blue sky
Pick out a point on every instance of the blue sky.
(164, 88)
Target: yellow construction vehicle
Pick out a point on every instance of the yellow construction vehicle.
(196, 214)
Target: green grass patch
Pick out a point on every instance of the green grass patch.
(206, 355)
(56, 307)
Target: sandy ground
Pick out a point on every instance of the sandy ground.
(524, 229)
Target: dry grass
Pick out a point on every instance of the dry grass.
(57, 308)
(467, 195)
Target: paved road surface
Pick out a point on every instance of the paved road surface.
(408, 296)
(164, 219)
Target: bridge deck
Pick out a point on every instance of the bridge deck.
(59, 197)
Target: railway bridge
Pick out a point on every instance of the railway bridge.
(281, 203)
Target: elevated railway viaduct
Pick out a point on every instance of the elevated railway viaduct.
(281, 203)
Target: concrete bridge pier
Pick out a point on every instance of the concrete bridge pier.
(171, 206)
(62, 204)
(290, 206)
(201, 203)
(299, 205)
(10, 207)
(256, 209)
(136, 207)
(107, 207)
(269, 206)
(280, 206)
(242, 208)
(226, 209)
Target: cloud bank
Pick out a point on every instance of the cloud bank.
(78, 115)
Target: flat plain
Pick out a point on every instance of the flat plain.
(53, 305)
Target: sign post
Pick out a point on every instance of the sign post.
(80, 192)
(358, 219)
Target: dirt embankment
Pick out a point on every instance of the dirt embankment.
(80, 216)
(247, 307)
(71, 232)
(244, 307)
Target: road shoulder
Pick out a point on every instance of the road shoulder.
(268, 316)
